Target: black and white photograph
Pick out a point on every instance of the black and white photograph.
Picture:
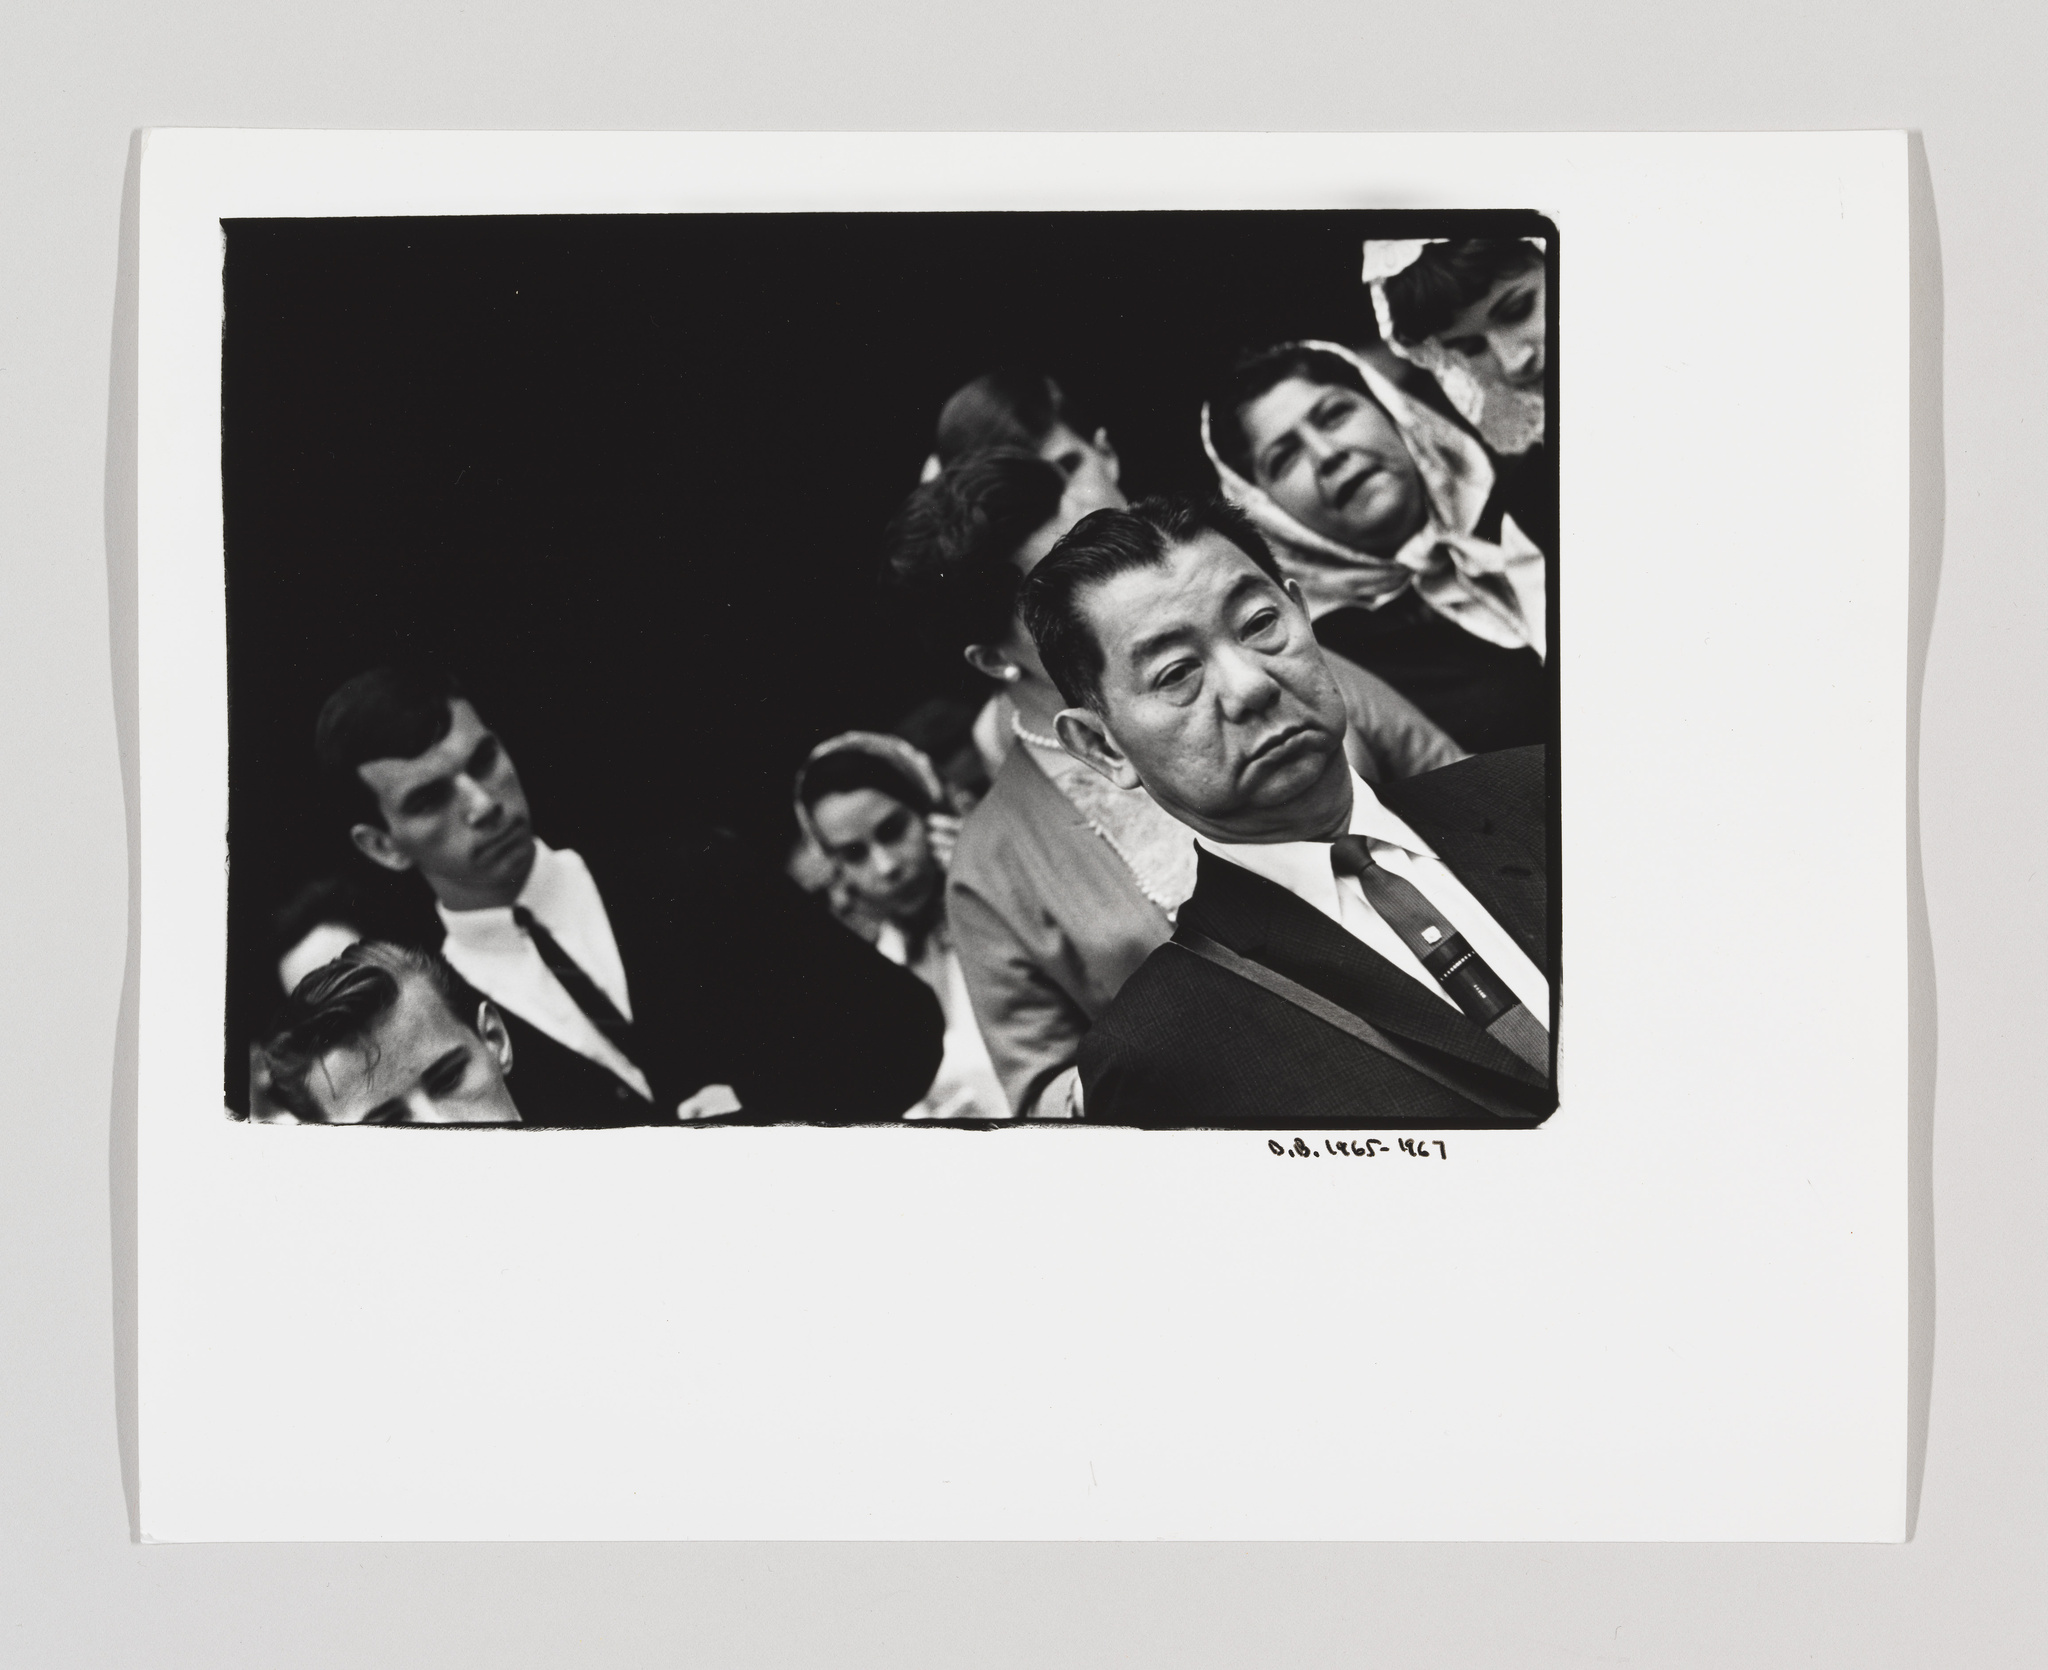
(964, 669)
(1094, 789)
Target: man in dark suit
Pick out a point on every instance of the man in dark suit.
(661, 978)
(1351, 957)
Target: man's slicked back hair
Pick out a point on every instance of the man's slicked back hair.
(952, 548)
(339, 1004)
(1098, 548)
(387, 713)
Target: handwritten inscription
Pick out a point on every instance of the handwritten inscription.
(1421, 1148)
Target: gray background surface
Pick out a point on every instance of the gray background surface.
(1969, 1589)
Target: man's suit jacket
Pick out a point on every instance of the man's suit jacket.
(1187, 1043)
(736, 978)
(1050, 921)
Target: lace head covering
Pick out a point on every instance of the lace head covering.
(917, 780)
(1494, 591)
(1509, 419)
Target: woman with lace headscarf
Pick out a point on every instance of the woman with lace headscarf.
(1472, 312)
(1380, 510)
(875, 808)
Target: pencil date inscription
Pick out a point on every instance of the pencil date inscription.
(1370, 1148)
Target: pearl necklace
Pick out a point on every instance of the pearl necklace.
(1023, 733)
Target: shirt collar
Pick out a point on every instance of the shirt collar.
(1303, 867)
(492, 928)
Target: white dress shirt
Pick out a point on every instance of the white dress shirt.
(498, 957)
(1303, 868)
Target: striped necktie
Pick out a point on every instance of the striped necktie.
(1485, 998)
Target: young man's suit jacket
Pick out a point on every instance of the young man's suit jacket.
(737, 979)
(1187, 1043)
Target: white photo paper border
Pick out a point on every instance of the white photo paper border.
(1677, 1310)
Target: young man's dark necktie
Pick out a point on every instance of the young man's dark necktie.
(1486, 999)
(589, 996)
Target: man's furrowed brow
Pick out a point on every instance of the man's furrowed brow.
(1253, 580)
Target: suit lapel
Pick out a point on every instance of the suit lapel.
(1264, 921)
(1498, 856)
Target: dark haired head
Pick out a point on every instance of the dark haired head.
(387, 713)
(1447, 278)
(1097, 549)
(1011, 407)
(852, 769)
(1261, 369)
(326, 899)
(952, 548)
(340, 1004)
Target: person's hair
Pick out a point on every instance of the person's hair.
(387, 713)
(1101, 546)
(327, 899)
(339, 1004)
(1012, 406)
(1446, 278)
(848, 770)
(1258, 370)
(952, 547)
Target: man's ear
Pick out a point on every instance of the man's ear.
(1083, 734)
(1109, 457)
(490, 1027)
(991, 662)
(376, 845)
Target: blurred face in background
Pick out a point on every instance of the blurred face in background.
(1502, 334)
(1333, 460)
(1092, 471)
(883, 850)
(1089, 469)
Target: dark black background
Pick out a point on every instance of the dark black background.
(627, 476)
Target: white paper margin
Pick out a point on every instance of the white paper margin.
(1677, 1311)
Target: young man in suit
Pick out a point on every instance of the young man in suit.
(1349, 956)
(663, 978)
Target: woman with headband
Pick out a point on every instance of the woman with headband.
(873, 805)
(1384, 513)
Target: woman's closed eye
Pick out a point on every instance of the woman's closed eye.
(1513, 308)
